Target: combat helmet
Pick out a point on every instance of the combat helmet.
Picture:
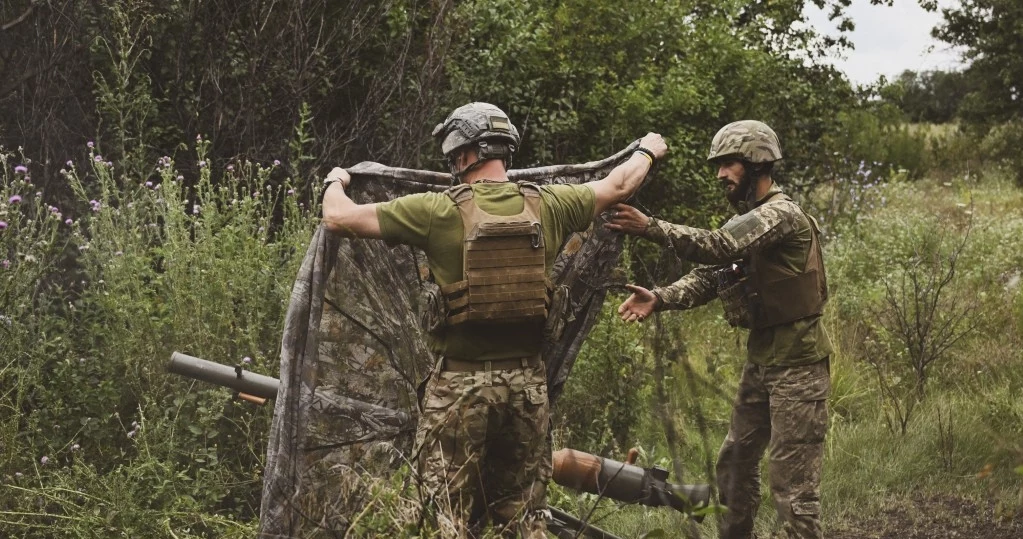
(482, 125)
(747, 140)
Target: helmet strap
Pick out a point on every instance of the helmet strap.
(485, 151)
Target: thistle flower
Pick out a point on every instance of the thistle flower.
(90, 144)
(277, 162)
(21, 169)
(98, 159)
(149, 184)
(68, 221)
(75, 447)
(14, 199)
(247, 360)
(44, 460)
(3, 225)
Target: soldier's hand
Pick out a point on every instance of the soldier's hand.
(338, 174)
(640, 304)
(625, 218)
(655, 143)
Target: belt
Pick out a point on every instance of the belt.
(462, 365)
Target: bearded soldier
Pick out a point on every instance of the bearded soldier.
(766, 266)
(490, 243)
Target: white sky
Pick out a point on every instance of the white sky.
(889, 40)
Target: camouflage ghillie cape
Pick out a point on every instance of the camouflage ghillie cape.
(353, 353)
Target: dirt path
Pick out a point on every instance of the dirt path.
(937, 517)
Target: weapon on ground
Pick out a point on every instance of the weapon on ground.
(620, 481)
(626, 482)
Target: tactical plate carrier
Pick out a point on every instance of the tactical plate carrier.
(758, 293)
(504, 276)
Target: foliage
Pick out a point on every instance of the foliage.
(924, 314)
(929, 96)
(159, 265)
(989, 31)
(599, 411)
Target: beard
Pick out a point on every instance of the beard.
(741, 190)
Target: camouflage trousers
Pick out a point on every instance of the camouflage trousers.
(484, 450)
(784, 410)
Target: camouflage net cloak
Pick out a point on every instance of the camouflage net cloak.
(353, 353)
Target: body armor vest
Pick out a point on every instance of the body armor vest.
(504, 275)
(758, 292)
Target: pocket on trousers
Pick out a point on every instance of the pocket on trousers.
(536, 394)
(806, 508)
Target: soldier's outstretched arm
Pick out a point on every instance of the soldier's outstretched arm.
(623, 180)
(695, 288)
(342, 215)
(757, 229)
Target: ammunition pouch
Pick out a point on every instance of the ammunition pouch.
(734, 292)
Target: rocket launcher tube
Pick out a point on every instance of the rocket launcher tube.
(625, 482)
(235, 378)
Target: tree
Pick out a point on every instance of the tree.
(990, 32)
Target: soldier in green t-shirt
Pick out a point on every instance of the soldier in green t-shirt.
(765, 264)
(482, 438)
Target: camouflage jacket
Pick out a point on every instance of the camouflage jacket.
(779, 225)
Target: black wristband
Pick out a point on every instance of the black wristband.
(648, 153)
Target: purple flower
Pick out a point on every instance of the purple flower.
(70, 163)
(246, 360)
(75, 447)
(44, 460)
(181, 178)
(17, 474)
(149, 184)
(277, 163)
(202, 164)
(230, 168)
(6, 263)
(119, 253)
(14, 199)
(198, 137)
(3, 225)
(90, 144)
(21, 169)
(131, 434)
(68, 221)
(291, 191)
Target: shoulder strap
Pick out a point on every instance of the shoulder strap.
(459, 193)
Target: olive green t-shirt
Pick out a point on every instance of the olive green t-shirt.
(431, 222)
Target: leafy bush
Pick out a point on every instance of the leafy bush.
(160, 264)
